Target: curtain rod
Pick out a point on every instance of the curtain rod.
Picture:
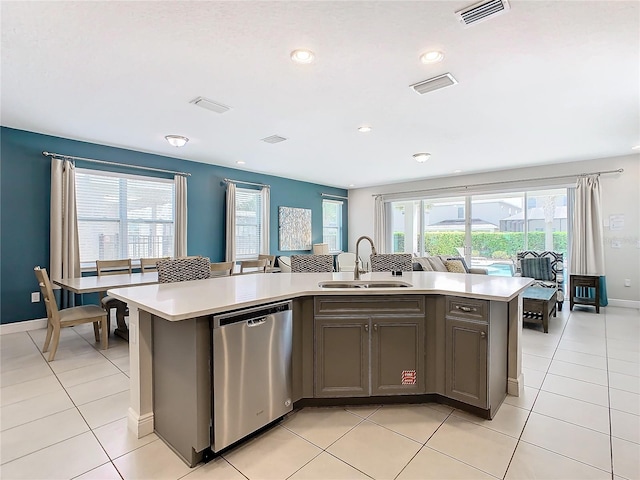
(228, 180)
(619, 170)
(334, 196)
(104, 162)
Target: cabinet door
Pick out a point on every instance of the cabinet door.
(397, 356)
(341, 357)
(466, 362)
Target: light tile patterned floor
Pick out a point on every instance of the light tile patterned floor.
(579, 418)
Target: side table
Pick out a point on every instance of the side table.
(538, 303)
(580, 291)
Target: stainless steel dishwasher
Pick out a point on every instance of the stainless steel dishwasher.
(251, 370)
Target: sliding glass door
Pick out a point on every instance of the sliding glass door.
(487, 229)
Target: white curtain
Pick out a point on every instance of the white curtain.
(379, 225)
(265, 194)
(587, 242)
(231, 223)
(64, 242)
(180, 234)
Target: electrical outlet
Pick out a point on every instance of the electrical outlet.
(627, 282)
(35, 297)
(616, 244)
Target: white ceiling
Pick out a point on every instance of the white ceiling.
(546, 82)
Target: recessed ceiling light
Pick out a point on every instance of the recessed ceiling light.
(241, 162)
(177, 140)
(352, 184)
(457, 171)
(635, 147)
(433, 56)
(364, 129)
(302, 56)
(421, 157)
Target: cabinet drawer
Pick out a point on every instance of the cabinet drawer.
(369, 305)
(467, 308)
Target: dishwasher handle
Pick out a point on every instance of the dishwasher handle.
(249, 314)
(256, 322)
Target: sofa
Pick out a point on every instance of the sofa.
(445, 263)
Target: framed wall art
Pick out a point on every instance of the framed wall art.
(294, 228)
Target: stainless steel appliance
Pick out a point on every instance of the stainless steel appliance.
(251, 370)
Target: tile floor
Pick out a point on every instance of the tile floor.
(579, 418)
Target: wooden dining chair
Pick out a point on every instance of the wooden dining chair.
(253, 266)
(222, 269)
(150, 264)
(68, 317)
(113, 267)
(271, 259)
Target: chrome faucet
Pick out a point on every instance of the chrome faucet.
(357, 271)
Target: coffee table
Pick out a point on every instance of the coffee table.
(538, 303)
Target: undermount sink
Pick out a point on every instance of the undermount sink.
(364, 284)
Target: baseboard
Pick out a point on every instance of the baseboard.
(25, 326)
(616, 302)
(140, 425)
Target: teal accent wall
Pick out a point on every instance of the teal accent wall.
(24, 208)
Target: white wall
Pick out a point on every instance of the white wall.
(620, 195)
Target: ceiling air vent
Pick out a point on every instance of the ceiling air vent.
(481, 11)
(434, 83)
(274, 139)
(210, 105)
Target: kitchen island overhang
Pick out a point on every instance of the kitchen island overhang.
(178, 302)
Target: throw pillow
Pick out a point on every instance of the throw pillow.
(538, 268)
(424, 263)
(437, 264)
(455, 266)
(464, 263)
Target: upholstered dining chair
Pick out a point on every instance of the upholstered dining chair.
(311, 263)
(284, 263)
(113, 267)
(183, 269)
(150, 264)
(68, 317)
(253, 266)
(346, 262)
(391, 262)
(221, 269)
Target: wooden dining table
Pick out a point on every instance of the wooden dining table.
(95, 284)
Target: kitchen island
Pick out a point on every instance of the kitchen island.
(446, 312)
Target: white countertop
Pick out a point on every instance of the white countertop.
(179, 301)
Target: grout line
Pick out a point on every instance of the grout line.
(606, 347)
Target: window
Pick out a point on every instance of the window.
(248, 223)
(332, 224)
(123, 216)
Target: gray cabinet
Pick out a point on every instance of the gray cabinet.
(365, 347)
(341, 357)
(397, 355)
(466, 347)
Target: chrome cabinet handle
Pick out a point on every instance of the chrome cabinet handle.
(466, 309)
(366, 327)
(483, 334)
(375, 327)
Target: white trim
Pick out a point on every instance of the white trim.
(140, 425)
(616, 302)
(25, 326)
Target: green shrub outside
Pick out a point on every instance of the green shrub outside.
(502, 245)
